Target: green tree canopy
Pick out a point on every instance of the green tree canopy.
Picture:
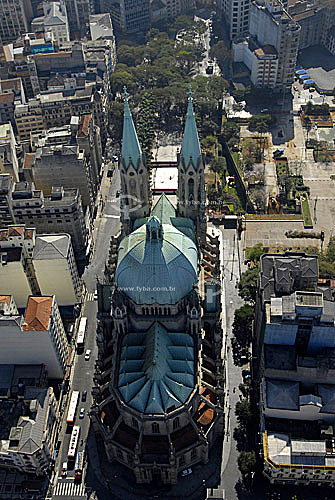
(246, 462)
(248, 285)
(243, 412)
(242, 325)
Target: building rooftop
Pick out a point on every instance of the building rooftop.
(38, 312)
(52, 247)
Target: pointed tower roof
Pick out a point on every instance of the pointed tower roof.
(131, 149)
(191, 145)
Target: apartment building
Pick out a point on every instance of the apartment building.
(14, 19)
(270, 24)
(61, 212)
(54, 22)
(28, 119)
(236, 16)
(129, 16)
(262, 62)
(78, 12)
(6, 188)
(295, 349)
(8, 159)
(36, 338)
(11, 94)
(29, 412)
(56, 268)
(176, 7)
(101, 27)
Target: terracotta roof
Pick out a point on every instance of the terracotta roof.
(27, 160)
(15, 230)
(4, 235)
(13, 83)
(184, 437)
(266, 50)
(84, 124)
(28, 234)
(38, 313)
(205, 414)
(5, 298)
(8, 97)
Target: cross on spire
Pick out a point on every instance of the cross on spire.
(190, 93)
(125, 93)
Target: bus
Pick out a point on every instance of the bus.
(71, 454)
(79, 465)
(71, 414)
(81, 333)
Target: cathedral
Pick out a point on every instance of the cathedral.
(159, 383)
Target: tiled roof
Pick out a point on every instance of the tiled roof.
(15, 230)
(184, 437)
(5, 298)
(156, 369)
(7, 97)
(38, 313)
(52, 246)
(28, 234)
(4, 235)
(84, 125)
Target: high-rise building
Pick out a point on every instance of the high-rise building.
(53, 22)
(128, 16)
(14, 17)
(294, 361)
(8, 159)
(36, 338)
(236, 15)
(78, 12)
(270, 24)
(176, 7)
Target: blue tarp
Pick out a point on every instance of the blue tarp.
(309, 81)
(298, 66)
(300, 72)
(304, 77)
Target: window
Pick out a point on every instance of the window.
(182, 460)
(176, 423)
(155, 428)
(135, 423)
(194, 454)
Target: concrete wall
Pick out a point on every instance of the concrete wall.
(54, 278)
(14, 282)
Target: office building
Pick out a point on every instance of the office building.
(14, 18)
(53, 22)
(129, 16)
(16, 270)
(78, 12)
(101, 27)
(176, 7)
(271, 25)
(61, 212)
(262, 62)
(6, 188)
(28, 119)
(8, 159)
(236, 16)
(295, 344)
(29, 412)
(56, 269)
(36, 338)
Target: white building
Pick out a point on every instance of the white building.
(262, 62)
(16, 272)
(8, 159)
(236, 13)
(37, 338)
(55, 21)
(101, 27)
(56, 269)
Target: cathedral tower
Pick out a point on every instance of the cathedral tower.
(135, 186)
(191, 174)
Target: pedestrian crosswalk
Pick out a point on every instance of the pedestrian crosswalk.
(69, 489)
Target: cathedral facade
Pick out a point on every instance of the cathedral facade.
(159, 393)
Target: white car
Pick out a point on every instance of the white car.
(64, 469)
(82, 413)
(186, 472)
(87, 354)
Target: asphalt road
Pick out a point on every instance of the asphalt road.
(106, 225)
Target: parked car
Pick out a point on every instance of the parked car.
(64, 469)
(87, 354)
(186, 472)
(82, 413)
(95, 295)
(84, 396)
(117, 194)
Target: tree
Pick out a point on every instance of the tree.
(330, 252)
(231, 132)
(221, 52)
(242, 325)
(246, 462)
(119, 79)
(243, 412)
(248, 285)
(116, 120)
(255, 253)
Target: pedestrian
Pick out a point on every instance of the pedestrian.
(234, 390)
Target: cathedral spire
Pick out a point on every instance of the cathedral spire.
(190, 149)
(131, 149)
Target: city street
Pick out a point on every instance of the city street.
(106, 224)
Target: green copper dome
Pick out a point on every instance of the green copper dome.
(157, 264)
